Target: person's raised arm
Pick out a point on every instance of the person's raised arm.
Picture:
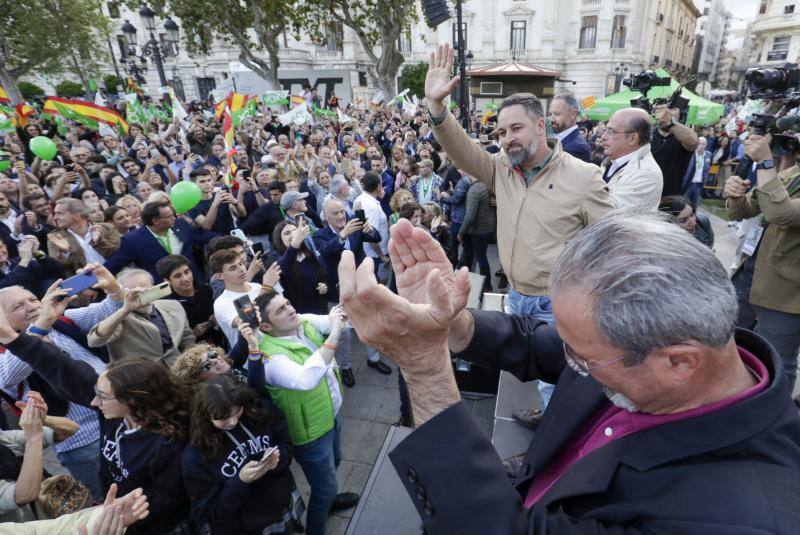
(30, 474)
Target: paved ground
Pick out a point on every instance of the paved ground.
(374, 404)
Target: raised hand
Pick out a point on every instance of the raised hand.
(272, 275)
(438, 81)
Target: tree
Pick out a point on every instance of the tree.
(29, 90)
(377, 23)
(254, 26)
(69, 89)
(413, 78)
(49, 36)
(111, 82)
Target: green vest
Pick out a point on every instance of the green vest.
(309, 413)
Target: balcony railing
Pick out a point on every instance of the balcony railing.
(295, 54)
(586, 51)
(776, 22)
(590, 3)
(329, 54)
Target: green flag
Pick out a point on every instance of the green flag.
(324, 113)
(92, 85)
(134, 111)
(250, 109)
(275, 98)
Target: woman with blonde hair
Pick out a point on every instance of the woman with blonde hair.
(400, 198)
(133, 206)
(201, 362)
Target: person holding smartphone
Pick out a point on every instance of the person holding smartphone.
(236, 467)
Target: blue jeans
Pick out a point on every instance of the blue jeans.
(693, 194)
(84, 465)
(539, 307)
(319, 460)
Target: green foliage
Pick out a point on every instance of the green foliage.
(112, 83)
(412, 78)
(49, 35)
(30, 90)
(69, 89)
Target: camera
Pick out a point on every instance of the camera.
(777, 83)
(644, 81)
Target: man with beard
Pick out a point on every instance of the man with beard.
(544, 196)
(564, 111)
(658, 423)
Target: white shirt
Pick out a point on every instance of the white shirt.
(377, 220)
(565, 133)
(699, 162)
(283, 372)
(225, 311)
(10, 219)
(619, 162)
(86, 244)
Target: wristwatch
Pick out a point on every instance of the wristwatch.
(766, 164)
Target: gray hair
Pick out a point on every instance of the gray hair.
(570, 100)
(337, 184)
(329, 200)
(74, 206)
(652, 283)
(129, 273)
(529, 101)
(642, 125)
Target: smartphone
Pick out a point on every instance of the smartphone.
(257, 249)
(239, 233)
(269, 452)
(216, 189)
(156, 292)
(361, 216)
(154, 153)
(246, 311)
(79, 283)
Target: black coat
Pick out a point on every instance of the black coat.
(732, 471)
(331, 247)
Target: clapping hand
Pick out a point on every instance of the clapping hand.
(300, 233)
(119, 513)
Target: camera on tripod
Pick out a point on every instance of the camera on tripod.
(643, 83)
(778, 84)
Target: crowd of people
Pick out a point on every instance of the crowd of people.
(130, 363)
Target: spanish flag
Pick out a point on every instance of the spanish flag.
(588, 102)
(85, 108)
(24, 111)
(4, 96)
(235, 102)
(220, 106)
(133, 87)
(227, 132)
(297, 101)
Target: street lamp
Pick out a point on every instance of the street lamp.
(152, 48)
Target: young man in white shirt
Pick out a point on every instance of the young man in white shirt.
(297, 354)
(231, 267)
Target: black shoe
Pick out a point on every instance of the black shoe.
(348, 378)
(345, 500)
(380, 366)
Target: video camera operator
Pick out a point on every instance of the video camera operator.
(673, 145)
(768, 280)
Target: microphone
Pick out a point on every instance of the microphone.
(787, 122)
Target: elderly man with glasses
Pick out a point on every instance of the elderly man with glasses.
(633, 176)
(666, 418)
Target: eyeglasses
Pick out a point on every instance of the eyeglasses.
(102, 396)
(611, 132)
(208, 364)
(582, 367)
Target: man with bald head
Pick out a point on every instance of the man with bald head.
(633, 176)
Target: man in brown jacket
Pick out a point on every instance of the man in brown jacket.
(768, 281)
(544, 195)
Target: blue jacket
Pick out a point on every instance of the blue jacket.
(388, 190)
(575, 145)
(330, 248)
(457, 201)
(141, 248)
(687, 178)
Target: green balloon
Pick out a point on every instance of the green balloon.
(185, 195)
(43, 147)
(5, 161)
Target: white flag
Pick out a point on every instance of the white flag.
(298, 115)
(98, 99)
(342, 117)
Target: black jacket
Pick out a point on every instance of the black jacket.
(152, 462)
(220, 498)
(330, 247)
(732, 471)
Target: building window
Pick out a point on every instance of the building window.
(362, 78)
(123, 47)
(113, 10)
(763, 8)
(781, 43)
(463, 33)
(404, 41)
(618, 32)
(588, 32)
(518, 30)
(705, 11)
(788, 10)
(334, 35)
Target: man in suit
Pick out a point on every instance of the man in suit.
(564, 110)
(633, 176)
(161, 233)
(657, 425)
(158, 331)
(342, 233)
(697, 173)
(78, 241)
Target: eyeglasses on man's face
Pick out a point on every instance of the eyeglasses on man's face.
(584, 368)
